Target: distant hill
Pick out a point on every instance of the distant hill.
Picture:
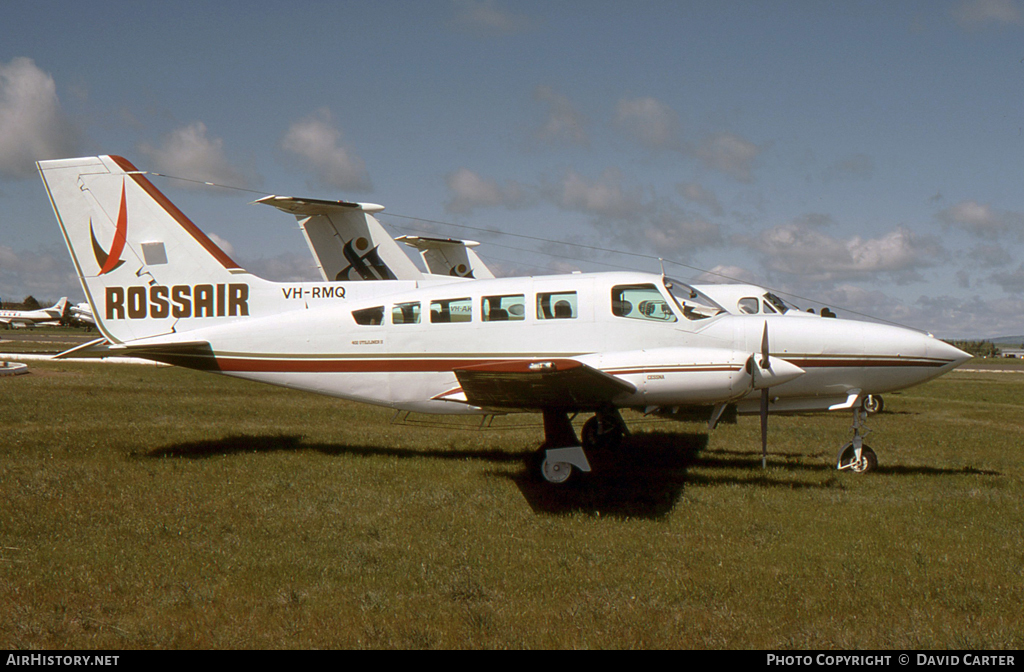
(1008, 340)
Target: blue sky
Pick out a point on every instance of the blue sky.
(865, 155)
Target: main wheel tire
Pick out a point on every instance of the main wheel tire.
(873, 403)
(557, 473)
(601, 434)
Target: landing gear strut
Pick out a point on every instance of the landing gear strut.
(856, 455)
(605, 430)
(561, 450)
(562, 455)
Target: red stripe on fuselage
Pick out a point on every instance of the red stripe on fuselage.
(865, 363)
(229, 364)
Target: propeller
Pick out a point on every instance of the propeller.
(764, 364)
(765, 372)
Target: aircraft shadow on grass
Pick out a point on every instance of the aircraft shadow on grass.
(643, 479)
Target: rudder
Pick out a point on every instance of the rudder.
(134, 250)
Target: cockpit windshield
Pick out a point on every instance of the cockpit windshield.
(693, 304)
(778, 303)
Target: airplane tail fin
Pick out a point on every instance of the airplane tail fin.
(346, 240)
(61, 307)
(145, 267)
(447, 256)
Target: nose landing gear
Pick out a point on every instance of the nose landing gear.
(855, 455)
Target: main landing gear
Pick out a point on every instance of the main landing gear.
(562, 455)
(856, 455)
(873, 403)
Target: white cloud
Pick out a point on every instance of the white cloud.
(285, 267)
(649, 122)
(190, 153)
(990, 255)
(977, 14)
(316, 144)
(486, 17)
(855, 167)
(46, 275)
(982, 220)
(635, 220)
(695, 193)
(730, 154)
(727, 274)
(1012, 283)
(563, 123)
(470, 191)
(604, 197)
(223, 244)
(668, 229)
(32, 125)
(974, 317)
(808, 253)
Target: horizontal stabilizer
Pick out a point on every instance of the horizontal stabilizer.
(193, 355)
(95, 348)
(559, 384)
(316, 206)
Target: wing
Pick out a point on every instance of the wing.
(536, 385)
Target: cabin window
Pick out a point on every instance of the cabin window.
(369, 316)
(640, 302)
(768, 308)
(556, 306)
(749, 305)
(451, 310)
(406, 313)
(510, 308)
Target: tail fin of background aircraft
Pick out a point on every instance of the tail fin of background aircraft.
(61, 307)
(450, 257)
(145, 267)
(346, 240)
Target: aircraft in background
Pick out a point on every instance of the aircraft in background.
(82, 312)
(34, 318)
(160, 289)
(349, 244)
(448, 256)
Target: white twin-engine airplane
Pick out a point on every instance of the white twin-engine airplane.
(34, 318)
(585, 342)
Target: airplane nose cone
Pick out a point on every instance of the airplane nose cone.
(944, 351)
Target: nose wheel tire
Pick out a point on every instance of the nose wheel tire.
(868, 461)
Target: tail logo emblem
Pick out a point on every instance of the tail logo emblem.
(112, 260)
(365, 262)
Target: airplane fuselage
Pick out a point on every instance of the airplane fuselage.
(399, 344)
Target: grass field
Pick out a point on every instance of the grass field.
(153, 507)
